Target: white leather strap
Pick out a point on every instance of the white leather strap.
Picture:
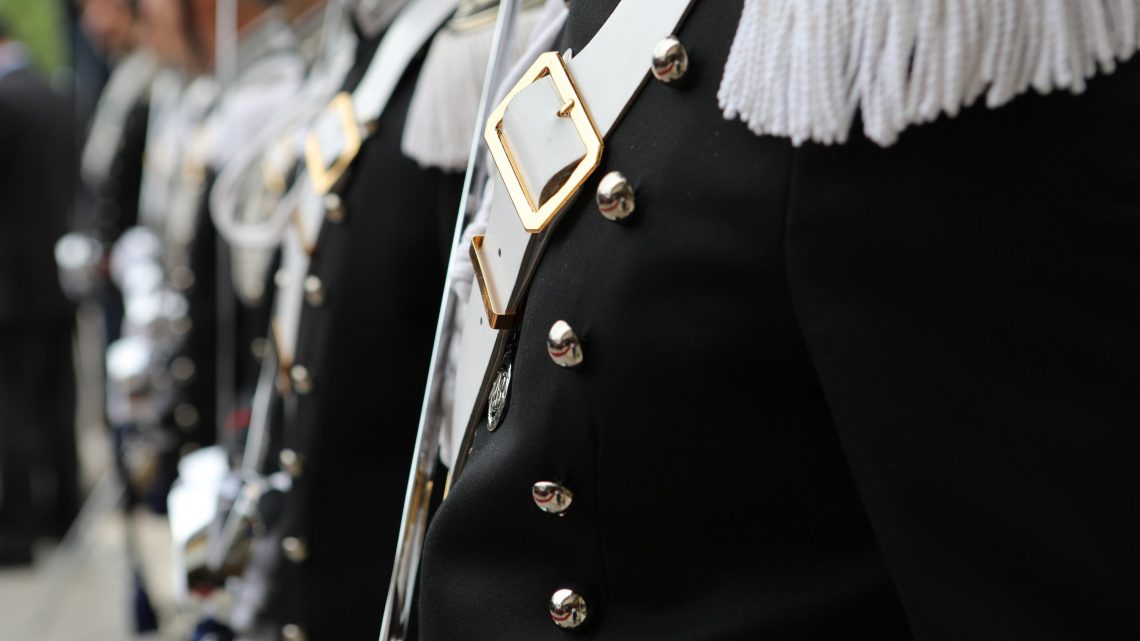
(408, 33)
(607, 73)
(288, 300)
(371, 16)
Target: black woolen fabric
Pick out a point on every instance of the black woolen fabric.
(37, 382)
(37, 436)
(368, 346)
(828, 392)
(970, 299)
(201, 391)
(37, 174)
(288, 601)
(117, 199)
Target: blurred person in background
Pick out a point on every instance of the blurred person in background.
(112, 158)
(38, 467)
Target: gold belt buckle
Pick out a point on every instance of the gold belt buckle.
(536, 216)
(323, 176)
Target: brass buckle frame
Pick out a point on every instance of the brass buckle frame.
(323, 177)
(535, 216)
(497, 320)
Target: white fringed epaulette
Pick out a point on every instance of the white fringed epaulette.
(441, 117)
(802, 69)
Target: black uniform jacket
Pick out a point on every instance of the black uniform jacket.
(842, 392)
(37, 384)
(201, 347)
(37, 174)
(367, 345)
(117, 199)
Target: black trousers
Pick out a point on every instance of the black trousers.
(38, 461)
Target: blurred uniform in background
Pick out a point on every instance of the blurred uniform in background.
(111, 163)
(37, 396)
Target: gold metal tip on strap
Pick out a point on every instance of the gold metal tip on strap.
(497, 319)
(323, 177)
(536, 216)
(309, 245)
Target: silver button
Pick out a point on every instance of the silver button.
(259, 347)
(295, 549)
(551, 498)
(185, 416)
(334, 207)
(302, 379)
(181, 326)
(182, 277)
(314, 291)
(615, 196)
(182, 369)
(292, 632)
(567, 609)
(563, 346)
(670, 60)
(291, 462)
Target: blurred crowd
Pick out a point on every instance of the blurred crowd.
(165, 185)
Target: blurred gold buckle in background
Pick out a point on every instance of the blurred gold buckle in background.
(325, 176)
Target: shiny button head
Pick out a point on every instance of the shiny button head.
(334, 208)
(563, 346)
(567, 609)
(186, 416)
(259, 347)
(295, 549)
(302, 379)
(551, 498)
(182, 369)
(292, 632)
(314, 291)
(615, 196)
(670, 60)
(182, 277)
(291, 462)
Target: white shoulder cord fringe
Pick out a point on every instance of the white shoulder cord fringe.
(804, 68)
(441, 117)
